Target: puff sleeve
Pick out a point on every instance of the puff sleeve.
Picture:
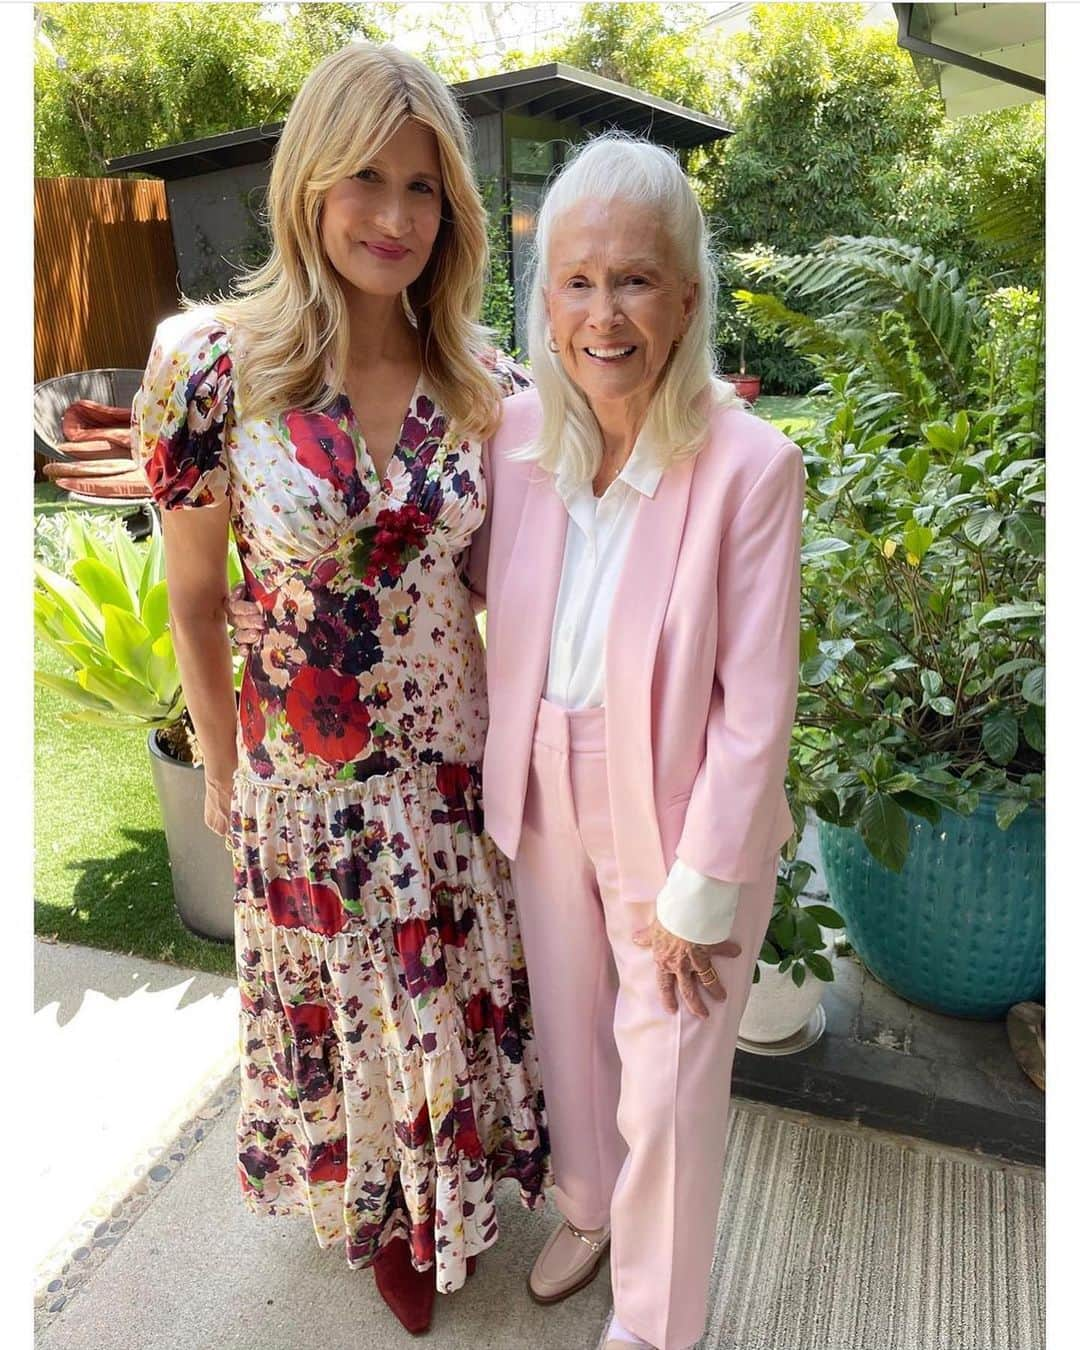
(180, 414)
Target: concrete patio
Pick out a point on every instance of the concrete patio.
(832, 1236)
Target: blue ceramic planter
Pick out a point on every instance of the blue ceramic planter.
(961, 929)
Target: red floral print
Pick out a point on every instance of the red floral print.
(295, 902)
(328, 1162)
(252, 720)
(323, 447)
(324, 708)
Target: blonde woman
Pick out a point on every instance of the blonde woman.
(389, 1073)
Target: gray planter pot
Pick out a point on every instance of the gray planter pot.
(202, 873)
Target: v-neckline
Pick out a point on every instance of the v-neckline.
(385, 480)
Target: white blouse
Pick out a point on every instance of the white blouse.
(690, 905)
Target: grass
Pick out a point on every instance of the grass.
(101, 867)
(790, 412)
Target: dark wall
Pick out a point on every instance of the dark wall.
(217, 226)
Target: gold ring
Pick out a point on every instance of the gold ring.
(707, 976)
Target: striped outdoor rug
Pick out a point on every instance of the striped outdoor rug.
(833, 1237)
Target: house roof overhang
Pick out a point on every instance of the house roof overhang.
(554, 91)
(979, 56)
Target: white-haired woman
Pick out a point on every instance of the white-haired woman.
(333, 414)
(641, 567)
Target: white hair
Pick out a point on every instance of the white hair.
(616, 166)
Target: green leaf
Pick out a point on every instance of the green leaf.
(155, 609)
(808, 644)
(129, 563)
(818, 669)
(919, 805)
(931, 682)
(1000, 736)
(807, 930)
(943, 704)
(102, 584)
(837, 648)
(917, 539)
(917, 466)
(1034, 687)
(820, 966)
(941, 436)
(1026, 609)
(884, 830)
(827, 806)
(783, 930)
(1011, 667)
(123, 693)
(799, 876)
(818, 548)
(163, 673)
(1034, 728)
(1027, 530)
(76, 606)
(70, 689)
(233, 565)
(982, 526)
(81, 542)
(798, 974)
(1008, 809)
(127, 641)
(785, 964)
(768, 953)
(153, 570)
(825, 916)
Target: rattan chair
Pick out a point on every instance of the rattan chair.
(52, 398)
(115, 387)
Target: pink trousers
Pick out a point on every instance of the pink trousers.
(637, 1097)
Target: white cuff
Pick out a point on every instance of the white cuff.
(695, 907)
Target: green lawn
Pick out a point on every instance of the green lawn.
(101, 869)
(790, 412)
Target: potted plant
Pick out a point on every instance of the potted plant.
(108, 618)
(783, 1013)
(746, 386)
(920, 733)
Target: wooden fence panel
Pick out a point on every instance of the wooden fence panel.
(104, 272)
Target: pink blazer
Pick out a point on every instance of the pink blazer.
(701, 657)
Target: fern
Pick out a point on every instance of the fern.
(835, 297)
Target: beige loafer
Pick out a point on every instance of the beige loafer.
(568, 1261)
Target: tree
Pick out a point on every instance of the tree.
(975, 194)
(643, 46)
(823, 109)
(116, 79)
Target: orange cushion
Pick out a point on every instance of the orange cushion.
(93, 468)
(84, 414)
(96, 449)
(131, 484)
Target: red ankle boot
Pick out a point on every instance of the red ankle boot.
(408, 1293)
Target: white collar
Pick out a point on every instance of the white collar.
(642, 472)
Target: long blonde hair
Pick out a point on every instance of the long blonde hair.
(611, 167)
(290, 314)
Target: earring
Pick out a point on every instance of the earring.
(553, 346)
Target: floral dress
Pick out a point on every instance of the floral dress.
(388, 1065)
